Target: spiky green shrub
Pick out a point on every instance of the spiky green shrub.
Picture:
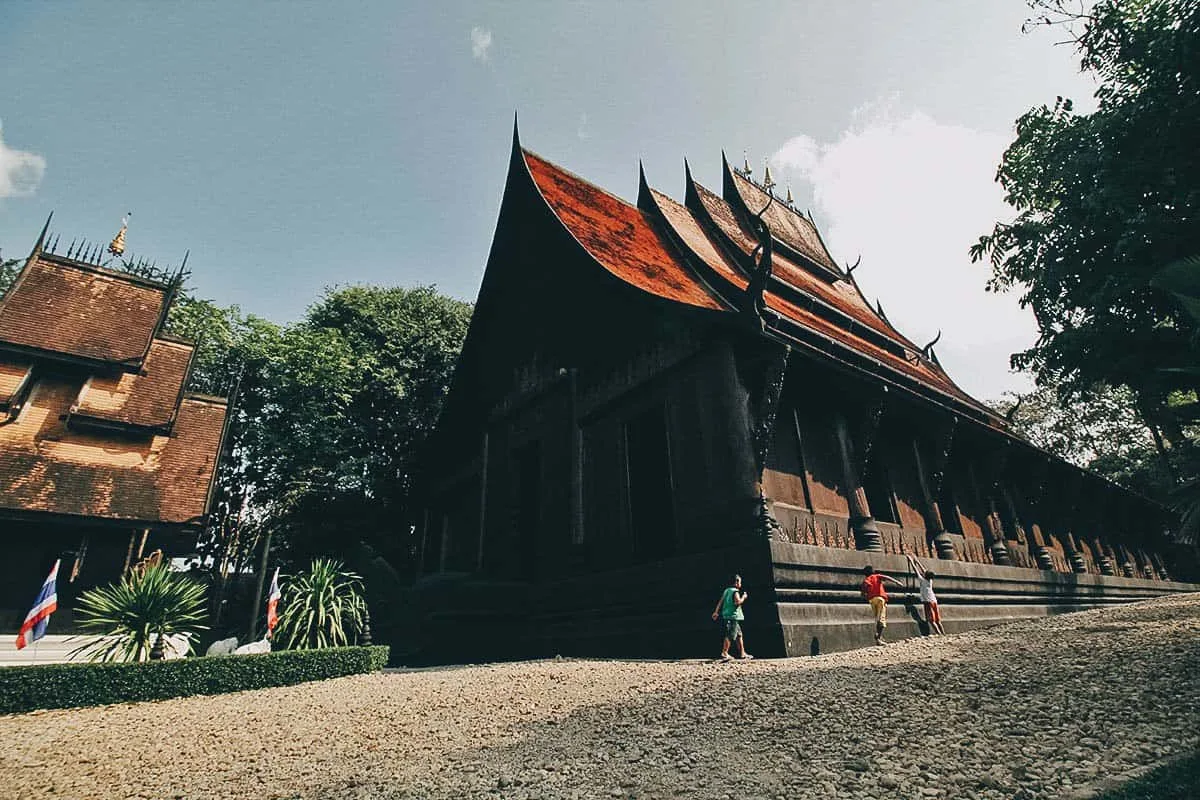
(323, 607)
(133, 612)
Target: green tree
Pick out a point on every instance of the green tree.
(1104, 201)
(1099, 430)
(9, 268)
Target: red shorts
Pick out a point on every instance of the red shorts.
(931, 613)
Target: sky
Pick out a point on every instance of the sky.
(292, 147)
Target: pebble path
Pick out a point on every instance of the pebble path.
(1053, 708)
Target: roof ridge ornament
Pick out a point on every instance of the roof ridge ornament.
(790, 202)
(117, 246)
(768, 182)
(747, 171)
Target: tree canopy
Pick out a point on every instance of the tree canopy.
(1104, 202)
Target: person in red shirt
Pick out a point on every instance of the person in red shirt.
(872, 589)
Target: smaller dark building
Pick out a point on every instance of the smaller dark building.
(103, 455)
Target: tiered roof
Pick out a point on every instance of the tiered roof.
(94, 420)
(701, 253)
(70, 310)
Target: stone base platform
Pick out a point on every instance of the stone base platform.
(803, 600)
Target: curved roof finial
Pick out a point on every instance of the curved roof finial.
(927, 349)
(850, 268)
(1012, 412)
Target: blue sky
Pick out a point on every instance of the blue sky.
(294, 146)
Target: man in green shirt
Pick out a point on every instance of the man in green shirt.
(729, 610)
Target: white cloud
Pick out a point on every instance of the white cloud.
(911, 195)
(481, 43)
(20, 172)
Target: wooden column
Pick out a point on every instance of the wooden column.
(931, 487)
(862, 523)
(1074, 491)
(1040, 551)
(1103, 560)
(994, 522)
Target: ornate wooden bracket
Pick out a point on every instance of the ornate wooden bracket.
(760, 275)
(766, 409)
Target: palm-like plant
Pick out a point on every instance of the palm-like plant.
(133, 612)
(322, 607)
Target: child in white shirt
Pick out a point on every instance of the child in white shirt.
(933, 616)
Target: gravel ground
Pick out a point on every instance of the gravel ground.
(1048, 708)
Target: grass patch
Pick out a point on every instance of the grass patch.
(1178, 780)
(74, 685)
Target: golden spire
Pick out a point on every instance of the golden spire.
(768, 183)
(790, 201)
(117, 245)
(746, 165)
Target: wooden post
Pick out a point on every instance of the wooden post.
(866, 533)
(483, 487)
(575, 458)
(931, 487)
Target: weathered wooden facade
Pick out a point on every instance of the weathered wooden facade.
(103, 455)
(653, 396)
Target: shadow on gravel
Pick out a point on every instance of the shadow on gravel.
(1001, 713)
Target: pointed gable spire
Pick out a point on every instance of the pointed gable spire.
(41, 240)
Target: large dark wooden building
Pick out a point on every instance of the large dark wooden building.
(653, 396)
(103, 455)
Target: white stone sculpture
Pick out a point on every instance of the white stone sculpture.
(177, 645)
(261, 646)
(222, 647)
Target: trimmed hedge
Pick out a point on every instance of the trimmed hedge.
(71, 685)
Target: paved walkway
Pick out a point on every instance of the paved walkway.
(1051, 708)
(47, 650)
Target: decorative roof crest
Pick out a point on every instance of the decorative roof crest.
(117, 246)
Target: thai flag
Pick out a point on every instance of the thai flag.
(34, 626)
(273, 603)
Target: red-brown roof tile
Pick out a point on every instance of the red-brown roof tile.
(145, 398)
(86, 312)
(13, 375)
(788, 226)
(47, 467)
(618, 236)
(694, 237)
